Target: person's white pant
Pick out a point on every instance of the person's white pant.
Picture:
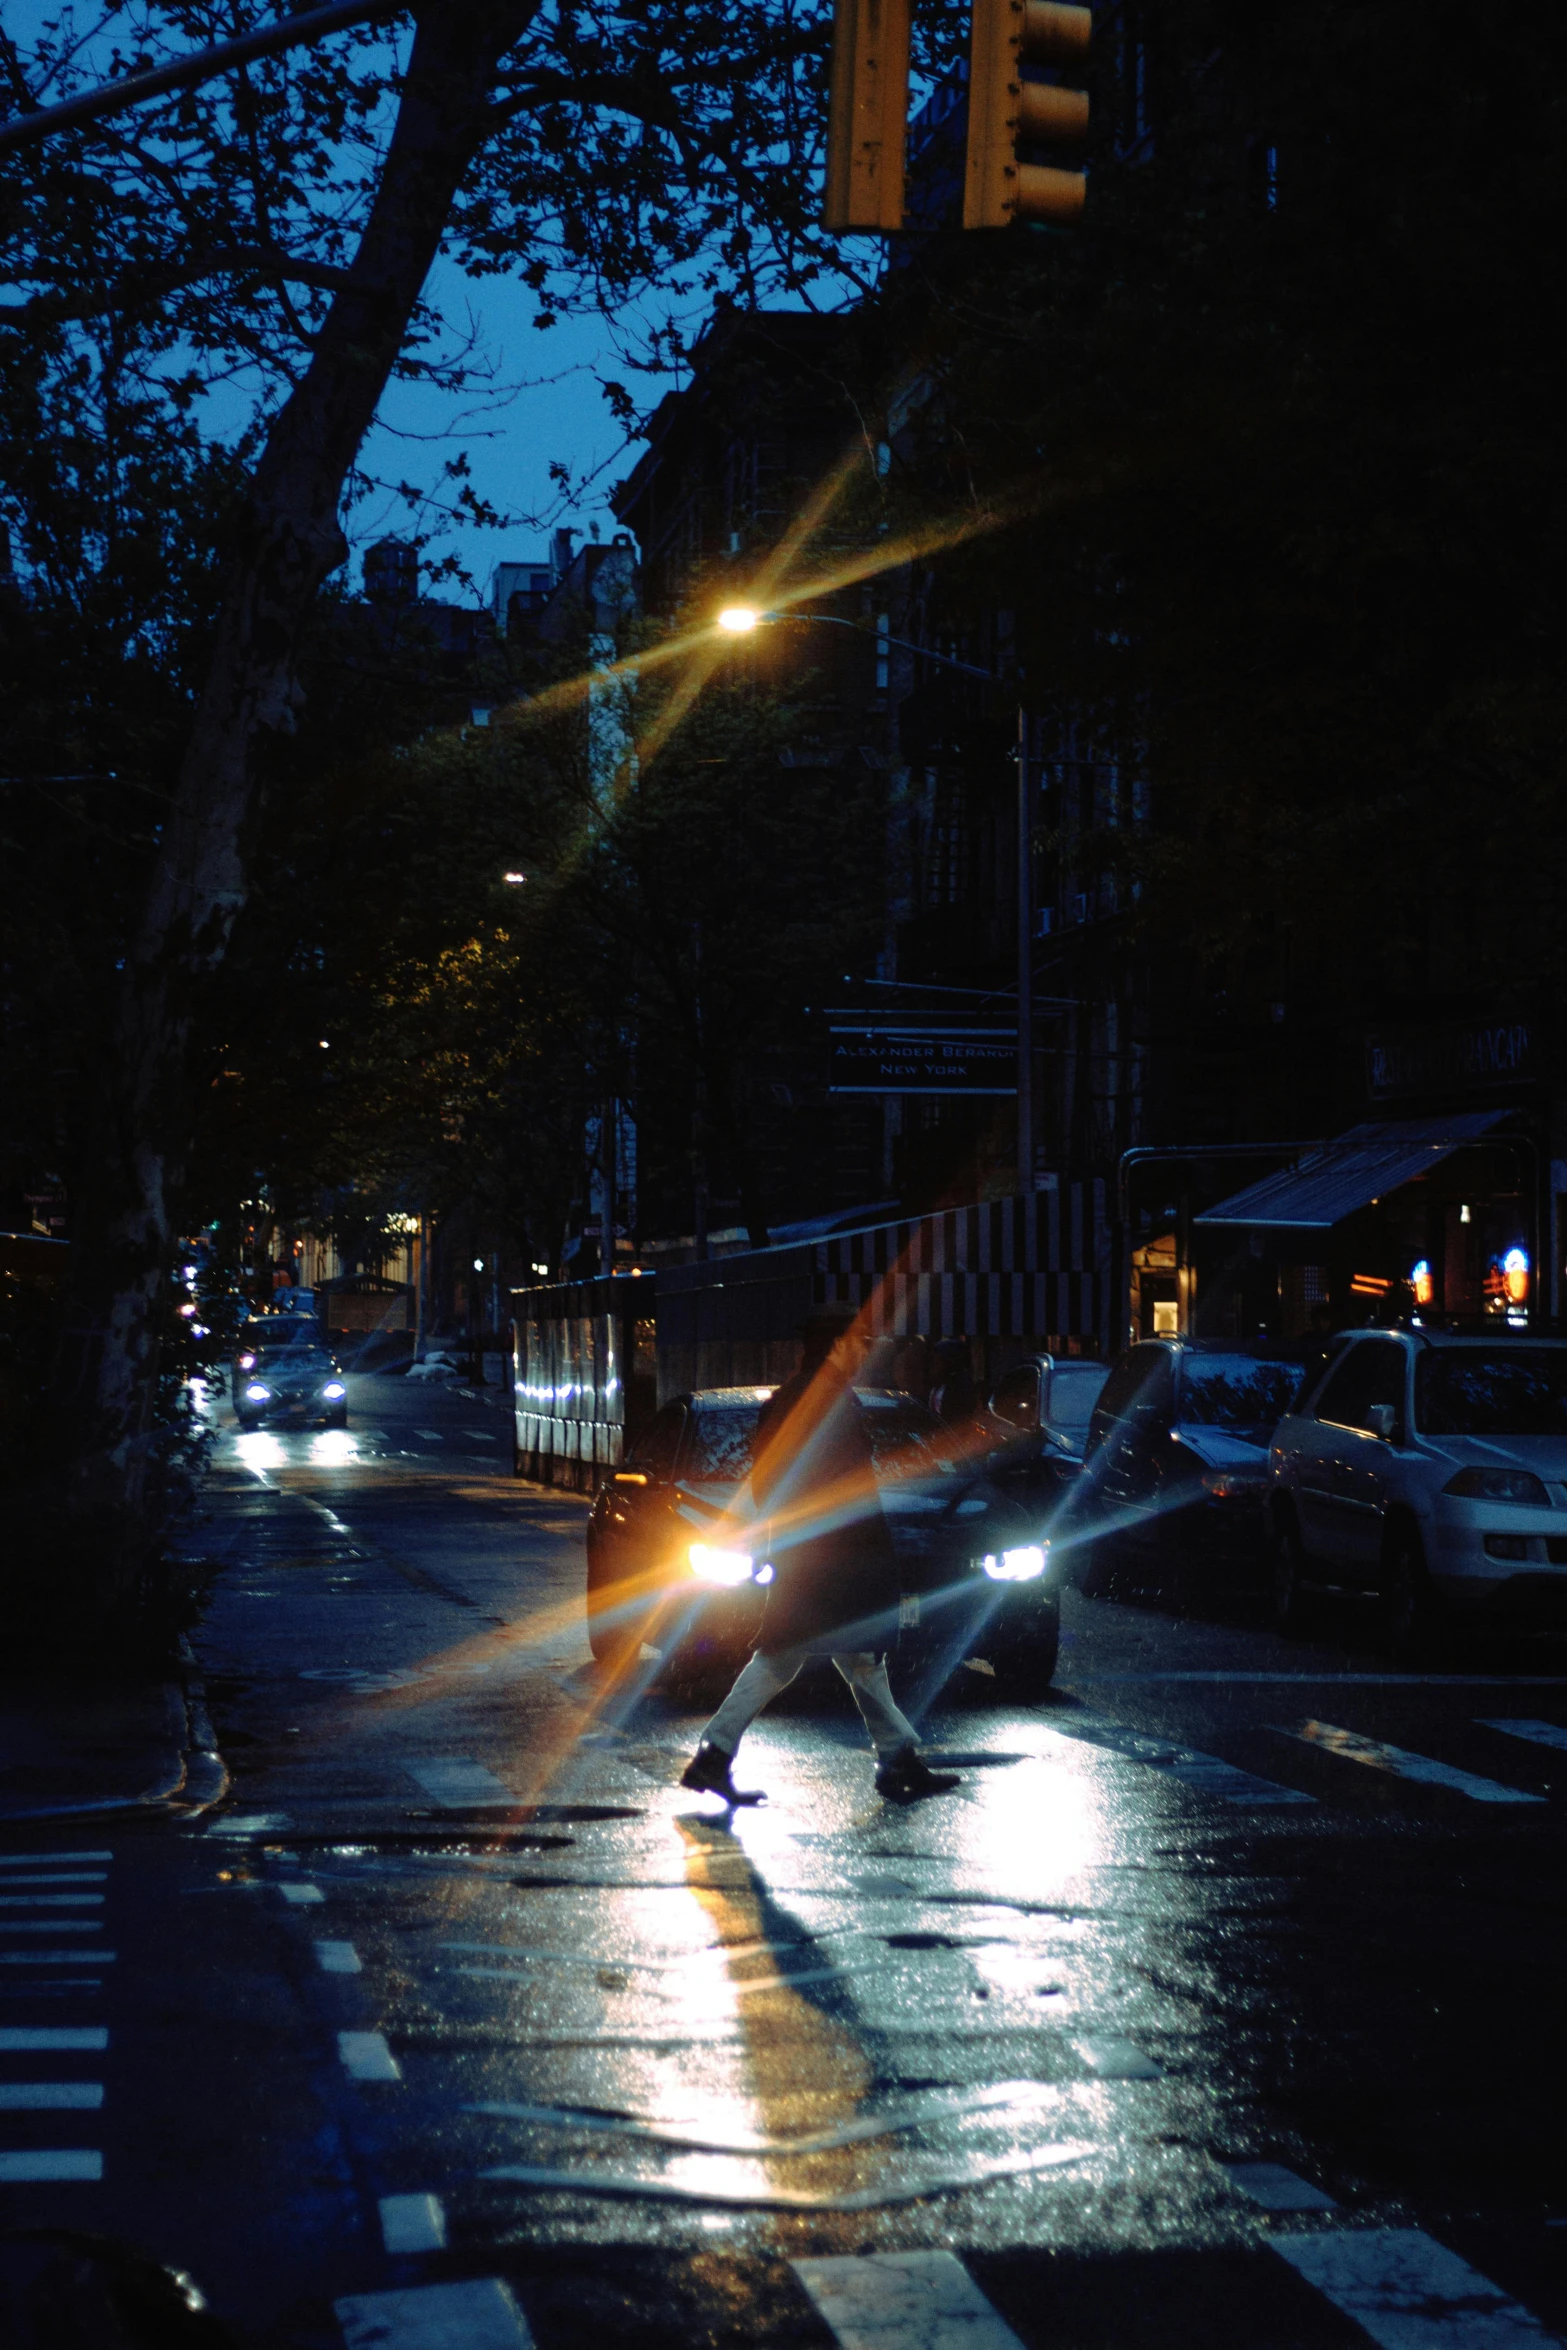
(764, 1676)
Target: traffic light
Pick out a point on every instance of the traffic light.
(1003, 110)
(868, 114)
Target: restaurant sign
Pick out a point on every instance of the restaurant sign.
(895, 1059)
(1451, 1057)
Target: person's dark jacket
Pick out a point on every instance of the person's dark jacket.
(835, 1577)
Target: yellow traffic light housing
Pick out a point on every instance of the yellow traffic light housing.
(1003, 109)
(868, 115)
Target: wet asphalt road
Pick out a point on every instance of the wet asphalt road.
(460, 1991)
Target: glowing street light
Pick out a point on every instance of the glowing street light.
(739, 619)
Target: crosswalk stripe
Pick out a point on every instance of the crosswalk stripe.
(337, 1958)
(1275, 2188)
(413, 2223)
(54, 2039)
(366, 2057)
(1537, 1733)
(50, 2096)
(39, 1860)
(50, 2163)
(1207, 1773)
(477, 2315)
(1112, 2059)
(460, 1784)
(1409, 2292)
(301, 1896)
(1352, 1747)
(903, 2301)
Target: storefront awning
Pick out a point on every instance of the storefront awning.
(1351, 1171)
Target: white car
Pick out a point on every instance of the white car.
(1431, 1470)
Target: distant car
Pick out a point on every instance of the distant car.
(1432, 1471)
(1176, 1462)
(1041, 1410)
(292, 1385)
(669, 1562)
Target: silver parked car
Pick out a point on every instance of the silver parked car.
(1431, 1470)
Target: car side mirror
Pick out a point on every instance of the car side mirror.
(1382, 1420)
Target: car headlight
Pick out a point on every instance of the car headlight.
(247, 1362)
(1499, 1485)
(256, 1393)
(333, 1389)
(720, 1566)
(1017, 1566)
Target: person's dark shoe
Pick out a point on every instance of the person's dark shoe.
(707, 1773)
(904, 1777)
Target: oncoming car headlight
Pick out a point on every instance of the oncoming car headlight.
(256, 1393)
(333, 1389)
(247, 1362)
(1017, 1566)
(720, 1566)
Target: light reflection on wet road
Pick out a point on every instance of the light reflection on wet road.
(460, 1985)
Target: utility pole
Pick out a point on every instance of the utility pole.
(1025, 963)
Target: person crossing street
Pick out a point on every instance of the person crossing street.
(835, 1582)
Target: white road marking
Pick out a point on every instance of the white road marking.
(52, 2040)
(479, 2315)
(366, 2057)
(460, 1785)
(50, 2096)
(53, 2163)
(478, 1436)
(1408, 2292)
(972, 2173)
(432, 1435)
(251, 1823)
(51, 1925)
(903, 2301)
(1207, 1773)
(908, 2114)
(1397, 1760)
(60, 1877)
(1537, 1733)
(39, 1860)
(51, 1900)
(1112, 2059)
(56, 1958)
(1276, 2188)
(413, 2223)
(301, 1896)
(337, 1958)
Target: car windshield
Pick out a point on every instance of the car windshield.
(1073, 1395)
(720, 1446)
(905, 1436)
(260, 1338)
(1501, 1391)
(1236, 1392)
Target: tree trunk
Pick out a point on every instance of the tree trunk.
(106, 1369)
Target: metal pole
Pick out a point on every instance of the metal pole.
(1025, 965)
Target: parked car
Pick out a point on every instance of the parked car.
(1176, 1461)
(1041, 1410)
(676, 1554)
(292, 1385)
(1431, 1471)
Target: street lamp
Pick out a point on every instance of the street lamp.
(743, 620)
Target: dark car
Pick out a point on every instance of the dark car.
(264, 1336)
(1176, 1463)
(299, 1386)
(677, 1554)
(1041, 1411)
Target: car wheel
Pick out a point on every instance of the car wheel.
(1025, 1669)
(613, 1640)
(1411, 1611)
(1291, 1592)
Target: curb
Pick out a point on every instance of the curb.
(195, 1778)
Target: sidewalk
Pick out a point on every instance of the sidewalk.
(87, 1743)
